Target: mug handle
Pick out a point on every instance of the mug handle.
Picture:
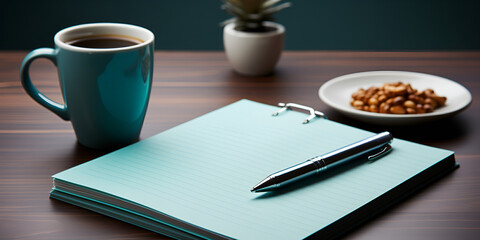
(50, 54)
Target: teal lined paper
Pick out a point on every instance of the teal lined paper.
(202, 171)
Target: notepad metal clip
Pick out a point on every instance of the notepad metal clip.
(289, 106)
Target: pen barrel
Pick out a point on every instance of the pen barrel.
(355, 150)
(294, 173)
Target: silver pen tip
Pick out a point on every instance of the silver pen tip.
(265, 185)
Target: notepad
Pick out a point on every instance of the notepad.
(193, 181)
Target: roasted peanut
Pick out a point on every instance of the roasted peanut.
(357, 103)
(358, 95)
(428, 108)
(410, 90)
(429, 92)
(397, 109)
(389, 88)
(399, 100)
(409, 104)
(373, 101)
(411, 110)
(440, 100)
(396, 98)
(419, 108)
(382, 98)
(400, 90)
(431, 102)
(384, 107)
(389, 94)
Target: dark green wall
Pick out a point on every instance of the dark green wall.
(310, 24)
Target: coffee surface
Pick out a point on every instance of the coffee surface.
(104, 41)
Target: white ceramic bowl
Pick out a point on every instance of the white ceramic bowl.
(337, 92)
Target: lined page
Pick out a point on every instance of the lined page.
(202, 171)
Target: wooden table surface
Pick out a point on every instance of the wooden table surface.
(34, 143)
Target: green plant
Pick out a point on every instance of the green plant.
(250, 14)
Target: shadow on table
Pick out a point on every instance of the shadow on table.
(444, 131)
(81, 154)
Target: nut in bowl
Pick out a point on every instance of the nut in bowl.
(396, 98)
(337, 93)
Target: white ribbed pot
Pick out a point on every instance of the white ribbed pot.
(254, 53)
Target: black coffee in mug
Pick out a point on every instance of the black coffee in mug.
(104, 41)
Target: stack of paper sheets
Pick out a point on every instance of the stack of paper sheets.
(193, 181)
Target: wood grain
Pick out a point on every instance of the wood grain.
(34, 143)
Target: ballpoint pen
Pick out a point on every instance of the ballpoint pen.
(377, 146)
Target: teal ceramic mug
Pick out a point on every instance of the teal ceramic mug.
(105, 86)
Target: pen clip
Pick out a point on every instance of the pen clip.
(380, 154)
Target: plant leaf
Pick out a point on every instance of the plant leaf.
(272, 10)
(233, 10)
(270, 3)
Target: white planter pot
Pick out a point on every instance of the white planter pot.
(252, 53)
